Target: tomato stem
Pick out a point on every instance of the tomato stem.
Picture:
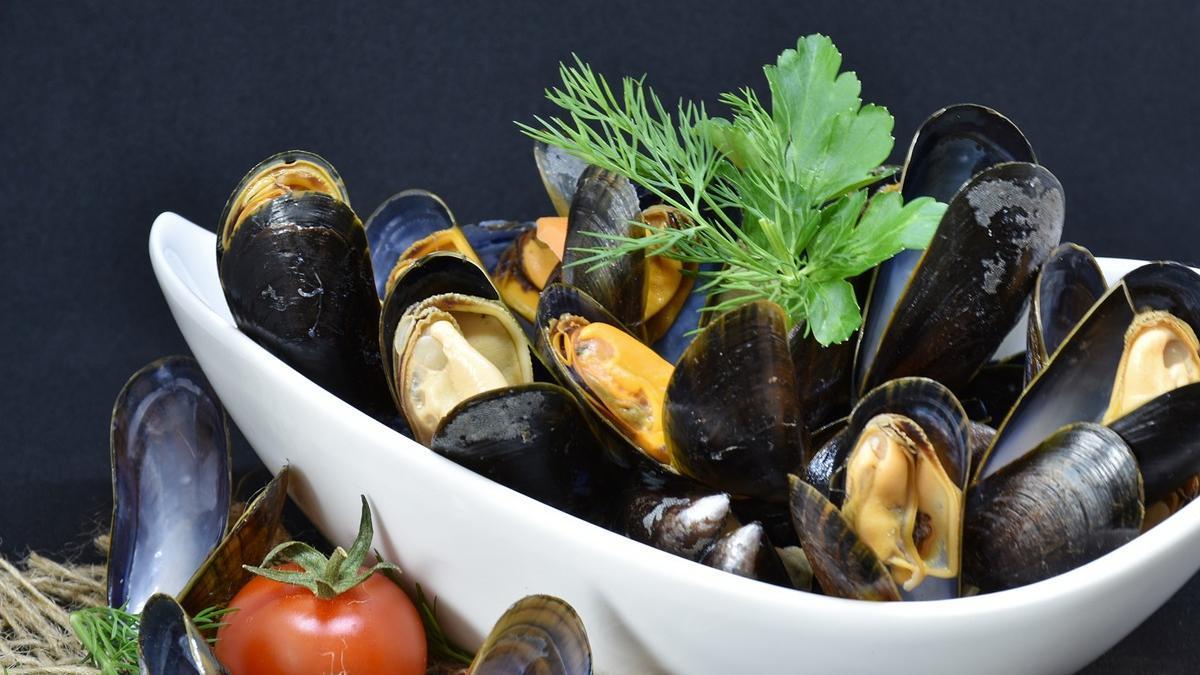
(329, 577)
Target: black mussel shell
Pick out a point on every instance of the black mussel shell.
(533, 439)
(1069, 283)
(956, 143)
(401, 221)
(169, 442)
(321, 177)
(843, 565)
(538, 634)
(823, 377)
(748, 552)
(995, 388)
(254, 534)
(972, 283)
(673, 515)
(773, 516)
(1076, 385)
(824, 470)
(732, 415)
(951, 147)
(434, 274)
(560, 172)
(606, 203)
(170, 644)
(298, 281)
(982, 436)
(1075, 497)
(1164, 434)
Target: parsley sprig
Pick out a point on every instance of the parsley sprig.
(777, 198)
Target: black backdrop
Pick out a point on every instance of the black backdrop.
(113, 112)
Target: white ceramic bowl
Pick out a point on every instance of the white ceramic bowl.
(480, 546)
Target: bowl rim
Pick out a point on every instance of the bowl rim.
(1107, 569)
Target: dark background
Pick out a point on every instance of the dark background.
(113, 112)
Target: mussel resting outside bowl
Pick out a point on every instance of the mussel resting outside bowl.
(904, 464)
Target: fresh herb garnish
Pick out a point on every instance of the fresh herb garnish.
(110, 635)
(439, 644)
(777, 198)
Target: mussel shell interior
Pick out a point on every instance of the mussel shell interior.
(400, 221)
(170, 644)
(1069, 283)
(1075, 497)
(560, 172)
(533, 439)
(171, 480)
(538, 634)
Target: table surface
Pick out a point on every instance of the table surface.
(110, 115)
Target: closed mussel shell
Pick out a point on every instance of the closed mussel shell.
(298, 280)
(538, 634)
(254, 534)
(1075, 497)
(533, 439)
(843, 565)
(169, 443)
(732, 415)
(748, 552)
(606, 203)
(170, 644)
(1164, 435)
(1068, 284)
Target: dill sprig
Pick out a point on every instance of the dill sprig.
(776, 197)
(110, 635)
(439, 644)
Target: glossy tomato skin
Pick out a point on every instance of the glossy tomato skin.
(282, 629)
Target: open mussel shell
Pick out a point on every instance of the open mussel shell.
(560, 172)
(1069, 283)
(298, 280)
(538, 634)
(748, 552)
(823, 375)
(169, 443)
(606, 203)
(533, 439)
(435, 274)
(971, 284)
(995, 388)
(292, 171)
(170, 644)
(673, 514)
(1077, 384)
(950, 148)
(621, 443)
(843, 565)
(1075, 497)
(254, 534)
(732, 415)
(920, 418)
(399, 222)
(522, 271)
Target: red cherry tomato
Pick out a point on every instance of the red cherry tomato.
(283, 629)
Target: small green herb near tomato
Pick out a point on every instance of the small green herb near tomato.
(318, 614)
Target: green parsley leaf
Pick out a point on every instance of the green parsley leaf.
(777, 197)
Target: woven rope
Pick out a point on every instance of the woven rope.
(36, 598)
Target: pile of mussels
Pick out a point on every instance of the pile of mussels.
(902, 464)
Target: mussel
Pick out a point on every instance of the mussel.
(942, 313)
(537, 634)
(406, 226)
(294, 266)
(1075, 497)
(1068, 284)
(899, 473)
(170, 644)
(171, 480)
